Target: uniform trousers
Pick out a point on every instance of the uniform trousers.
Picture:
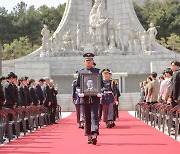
(108, 112)
(79, 113)
(91, 118)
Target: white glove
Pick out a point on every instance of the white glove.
(81, 95)
(99, 95)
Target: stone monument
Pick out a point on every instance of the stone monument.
(108, 28)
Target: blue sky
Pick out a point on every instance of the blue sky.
(9, 4)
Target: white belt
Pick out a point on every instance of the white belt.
(107, 92)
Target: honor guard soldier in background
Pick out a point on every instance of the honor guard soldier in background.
(90, 103)
(78, 106)
(109, 97)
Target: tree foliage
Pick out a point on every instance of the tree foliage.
(26, 22)
(166, 18)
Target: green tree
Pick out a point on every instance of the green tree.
(173, 42)
(18, 48)
(165, 16)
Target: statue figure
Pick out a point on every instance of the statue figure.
(56, 42)
(152, 36)
(102, 25)
(112, 40)
(131, 40)
(79, 36)
(93, 22)
(68, 41)
(120, 43)
(144, 41)
(46, 44)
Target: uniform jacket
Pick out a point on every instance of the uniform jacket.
(88, 99)
(75, 93)
(108, 86)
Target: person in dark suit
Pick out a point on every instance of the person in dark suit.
(175, 84)
(48, 94)
(40, 91)
(54, 92)
(10, 92)
(26, 89)
(34, 98)
(16, 86)
(22, 94)
(90, 103)
(2, 97)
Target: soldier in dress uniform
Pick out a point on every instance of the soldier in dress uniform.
(109, 96)
(78, 106)
(90, 103)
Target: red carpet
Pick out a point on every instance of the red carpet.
(130, 136)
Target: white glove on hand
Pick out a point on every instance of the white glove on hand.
(99, 95)
(81, 95)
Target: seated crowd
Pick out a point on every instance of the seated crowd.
(163, 94)
(24, 95)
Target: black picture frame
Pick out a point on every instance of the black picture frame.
(90, 84)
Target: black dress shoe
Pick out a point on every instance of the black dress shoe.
(89, 139)
(55, 123)
(94, 139)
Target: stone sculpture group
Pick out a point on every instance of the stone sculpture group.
(102, 38)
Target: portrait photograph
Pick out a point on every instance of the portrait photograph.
(90, 84)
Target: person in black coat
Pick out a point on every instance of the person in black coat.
(16, 86)
(40, 91)
(48, 94)
(34, 98)
(26, 88)
(10, 92)
(54, 92)
(22, 93)
(2, 97)
(175, 84)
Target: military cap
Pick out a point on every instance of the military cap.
(106, 70)
(88, 56)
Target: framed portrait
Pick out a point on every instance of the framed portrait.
(90, 84)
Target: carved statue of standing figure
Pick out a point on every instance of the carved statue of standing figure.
(103, 25)
(46, 44)
(152, 36)
(56, 43)
(120, 37)
(112, 40)
(131, 40)
(79, 36)
(67, 41)
(144, 40)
